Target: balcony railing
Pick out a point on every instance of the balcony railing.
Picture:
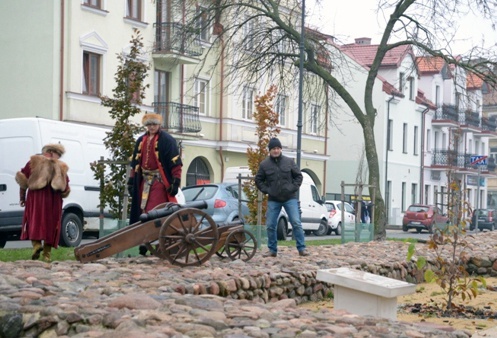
(470, 118)
(452, 158)
(173, 37)
(447, 112)
(489, 124)
(179, 117)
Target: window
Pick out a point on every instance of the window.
(437, 96)
(93, 3)
(201, 99)
(390, 135)
(414, 189)
(160, 86)
(427, 194)
(134, 9)
(401, 82)
(415, 150)
(248, 34)
(404, 141)
(203, 24)
(403, 202)
(133, 88)
(91, 73)
(428, 139)
(458, 100)
(247, 103)
(313, 118)
(411, 88)
(280, 108)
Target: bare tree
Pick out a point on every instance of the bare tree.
(261, 39)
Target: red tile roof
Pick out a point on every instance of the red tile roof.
(365, 54)
(430, 64)
(473, 81)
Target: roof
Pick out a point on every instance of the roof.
(430, 64)
(473, 81)
(365, 54)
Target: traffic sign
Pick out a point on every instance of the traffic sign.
(479, 160)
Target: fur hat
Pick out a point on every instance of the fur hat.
(273, 143)
(55, 147)
(152, 119)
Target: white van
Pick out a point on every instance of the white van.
(20, 138)
(314, 213)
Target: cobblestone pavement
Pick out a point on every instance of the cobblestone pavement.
(145, 297)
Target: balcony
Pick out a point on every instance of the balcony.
(446, 116)
(175, 43)
(489, 127)
(470, 121)
(178, 117)
(452, 159)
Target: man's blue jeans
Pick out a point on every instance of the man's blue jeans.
(293, 212)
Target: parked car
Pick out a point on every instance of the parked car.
(423, 217)
(222, 200)
(335, 216)
(485, 219)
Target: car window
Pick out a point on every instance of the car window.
(417, 208)
(199, 193)
(233, 191)
(349, 209)
(330, 206)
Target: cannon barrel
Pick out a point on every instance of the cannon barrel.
(168, 210)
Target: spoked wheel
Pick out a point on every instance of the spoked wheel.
(188, 237)
(154, 249)
(240, 244)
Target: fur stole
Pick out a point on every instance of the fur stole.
(44, 171)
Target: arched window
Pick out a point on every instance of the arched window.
(198, 173)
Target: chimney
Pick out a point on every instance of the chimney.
(363, 41)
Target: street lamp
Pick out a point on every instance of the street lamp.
(301, 81)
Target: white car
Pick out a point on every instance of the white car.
(335, 216)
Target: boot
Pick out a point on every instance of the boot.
(47, 255)
(37, 248)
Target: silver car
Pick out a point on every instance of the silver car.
(222, 201)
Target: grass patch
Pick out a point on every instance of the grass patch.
(12, 255)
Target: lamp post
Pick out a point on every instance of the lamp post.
(301, 82)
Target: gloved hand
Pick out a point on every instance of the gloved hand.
(173, 187)
(130, 186)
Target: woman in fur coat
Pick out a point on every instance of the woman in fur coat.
(45, 179)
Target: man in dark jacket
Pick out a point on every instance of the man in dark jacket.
(280, 178)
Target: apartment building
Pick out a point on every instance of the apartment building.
(429, 125)
(59, 56)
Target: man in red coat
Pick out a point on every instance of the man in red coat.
(46, 181)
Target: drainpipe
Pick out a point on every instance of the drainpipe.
(422, 173)
(61, 67)
(221, 94)
(387, 150)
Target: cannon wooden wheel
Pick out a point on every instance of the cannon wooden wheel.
(154, 249)
(240, 244)
(188, 237)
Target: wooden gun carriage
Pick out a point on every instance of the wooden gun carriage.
(186, 236)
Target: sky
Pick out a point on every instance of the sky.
(349, 19)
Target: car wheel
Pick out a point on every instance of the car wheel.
(404, 228)
(71, 231)
(338, 230)
(330, 230)
(3, 240)
(323, 228)
(281, 230)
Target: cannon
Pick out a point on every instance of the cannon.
(183, 234)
